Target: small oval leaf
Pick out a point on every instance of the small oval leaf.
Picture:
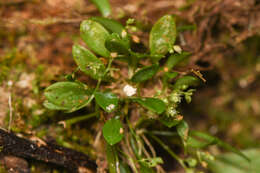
(103, 6)
(145, 73)
(153, 104)
(185, 82)
(107, 101)
(94, 35)
(163, 35)
(113, 131)
(88, 62)
(66, 96)
(111, 25)
(174, 59)
(115, 44)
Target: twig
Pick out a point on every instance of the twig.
(74, 161)
(10, 112)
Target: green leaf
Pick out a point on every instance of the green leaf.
(111, 25)
(168, 76)
(88, 62)
(66, 96)
(115, 44)
(175, 59)
(107, 101)
(94, 35)
(103, 6)
(232, 163)
(145, 73)
(112, 131)
(153, 104)
(111, 158)
(163, 35)
(185, 82)
(183, 131)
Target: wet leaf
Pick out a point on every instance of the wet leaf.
(115, 44)
(68, 96)
(111, 25)
(107, 100)
(163, 35)
(153, 104)
(94, 35)
(103, 6)
(88, 62)
(113, 131)
(145, 73)
(185, 82)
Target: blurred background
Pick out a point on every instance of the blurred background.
(36, 37)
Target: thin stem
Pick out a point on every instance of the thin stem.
(11, 112)
(71, 121)
(176, 157)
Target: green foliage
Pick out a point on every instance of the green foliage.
(68, 96)
(160, 91)
(108, 101)
(103, 6)
(163, 36)
(116, 44)
(145, 73)
(88, 62)
(113, 131)
(111, 25)
(175, 59)
(185, 82)
(95, 35)
(153, 104)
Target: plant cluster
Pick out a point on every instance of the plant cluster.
(137, 95)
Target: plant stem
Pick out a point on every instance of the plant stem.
(80, 118)
(176, 157)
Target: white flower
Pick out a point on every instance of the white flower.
(110, 107)
(129, 90)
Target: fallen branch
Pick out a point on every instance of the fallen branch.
(10, 144)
